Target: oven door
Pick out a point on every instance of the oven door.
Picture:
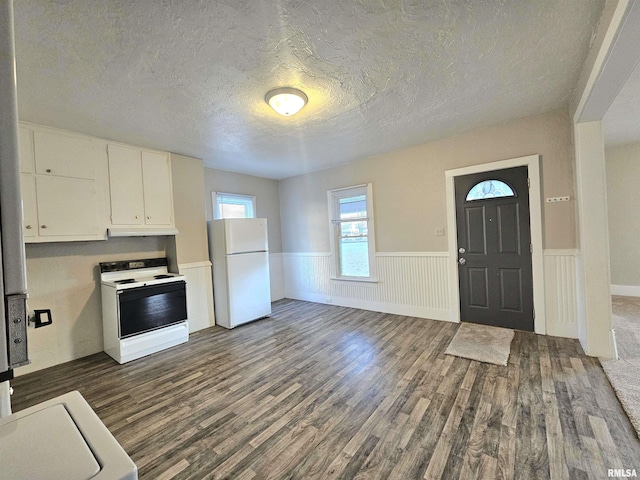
(147, 308)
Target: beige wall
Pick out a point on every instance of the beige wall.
(65, 278)
(190, 245)
(264, 189)
(409, 186)
(623, 180)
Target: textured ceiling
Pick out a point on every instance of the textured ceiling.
(190, 76)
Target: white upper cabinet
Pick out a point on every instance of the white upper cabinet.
(69, 207)
(26, 150)
(67, 156)
(75, 187)
(29, 207)
(156, 180)
(125, 185)
(140, 187)
(62, 180)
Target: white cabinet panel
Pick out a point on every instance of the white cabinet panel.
(63, 179)
(125, 183)
(26, 150)
(156, 176)
(66, 206)
(29, 210)
(140, 186)
(68, 156)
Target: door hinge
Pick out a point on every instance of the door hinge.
(531, 248)
(534, 313)
(528, 182)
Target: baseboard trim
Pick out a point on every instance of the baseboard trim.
(626, 290)
(393, 308)
(564, 330)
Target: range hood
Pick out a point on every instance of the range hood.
(140, 232)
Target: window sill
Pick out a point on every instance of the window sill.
(355, 279)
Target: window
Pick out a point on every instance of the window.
(489, 189)
(352, 236)
(231, 205)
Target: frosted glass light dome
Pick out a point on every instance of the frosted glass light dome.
(286, 101)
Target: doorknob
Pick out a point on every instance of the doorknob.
(461, 250)
(462, 261)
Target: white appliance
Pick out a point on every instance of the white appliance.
(239, 250)
(72, 443)
(63, 437)
(144, 308)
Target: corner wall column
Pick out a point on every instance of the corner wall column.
(594, 290)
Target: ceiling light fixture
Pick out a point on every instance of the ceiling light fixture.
(286, 101)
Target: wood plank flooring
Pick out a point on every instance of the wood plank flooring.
(319, 391)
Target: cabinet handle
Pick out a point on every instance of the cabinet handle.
(28, 227)
(43, 226)
(48, 170)
(137, 216)
(149, 217)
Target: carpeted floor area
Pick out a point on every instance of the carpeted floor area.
(624, 373)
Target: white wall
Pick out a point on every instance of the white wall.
(410, 204)
(623, 181)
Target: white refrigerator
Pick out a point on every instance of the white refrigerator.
(239, 250)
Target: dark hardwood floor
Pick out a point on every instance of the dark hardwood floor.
(320, 391)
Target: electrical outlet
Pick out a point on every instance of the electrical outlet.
(440, 232)
(558, 199)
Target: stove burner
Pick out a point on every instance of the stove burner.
(158, 277)
(126, 280)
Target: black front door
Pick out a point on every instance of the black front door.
(494, 248)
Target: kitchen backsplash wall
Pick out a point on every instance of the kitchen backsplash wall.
(65, 278)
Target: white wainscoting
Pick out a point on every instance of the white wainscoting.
(199, 295)
(276, 275)
(414, 284)
(560, 277)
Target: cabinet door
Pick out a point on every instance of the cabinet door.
(125, 185)
(156, 175)
(26, 150)
(67, 156)
(66, 206)
(29, 210)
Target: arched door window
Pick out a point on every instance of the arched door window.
(489, 189)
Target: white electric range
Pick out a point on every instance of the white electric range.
(144, 308)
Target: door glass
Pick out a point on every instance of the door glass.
(489, 189)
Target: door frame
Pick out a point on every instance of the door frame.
(532, 162)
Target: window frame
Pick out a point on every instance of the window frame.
(249, 200)
(333, 200)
